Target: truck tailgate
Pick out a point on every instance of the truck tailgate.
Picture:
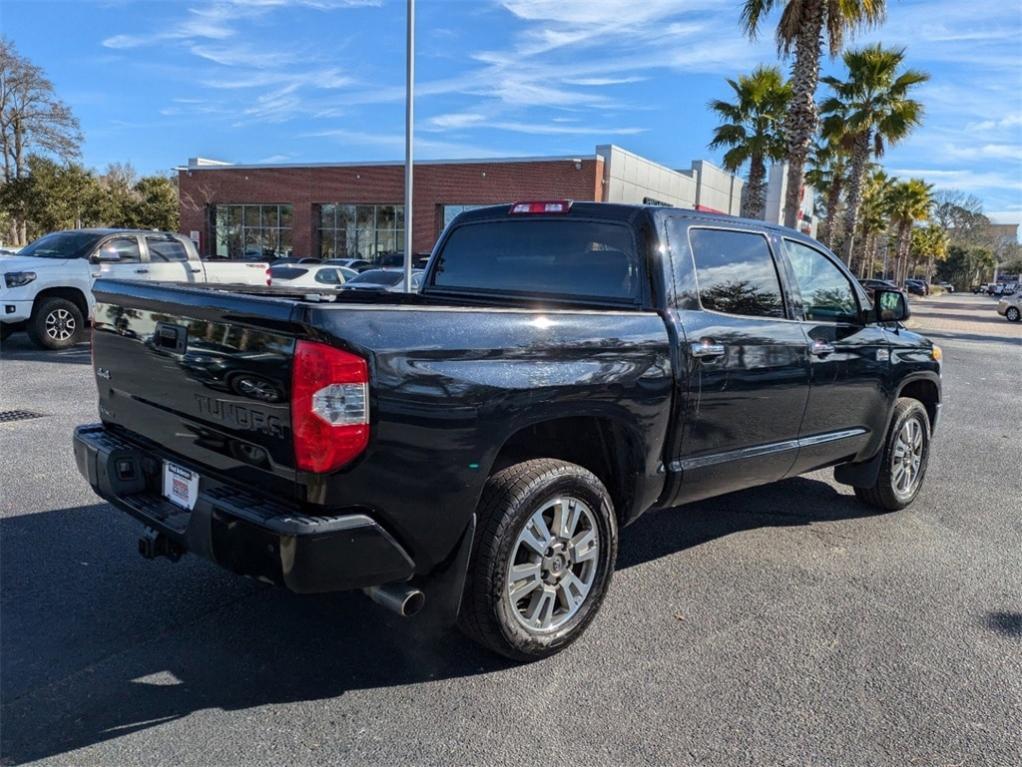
(203, 374)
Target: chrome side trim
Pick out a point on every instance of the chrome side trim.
(733, 455)
(831, 436)
(758, 451)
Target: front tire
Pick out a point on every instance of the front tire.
(543, 559)
(905, 457)
(56, 323)
(1013, 314)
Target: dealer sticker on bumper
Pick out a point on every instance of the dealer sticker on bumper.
(180, 485)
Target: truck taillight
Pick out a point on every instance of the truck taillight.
(329, 406)
(269, 277)
(540, 206)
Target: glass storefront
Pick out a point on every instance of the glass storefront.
(360, 231)
(450, 211)
(251, 232)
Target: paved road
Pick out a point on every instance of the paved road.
(782, 625)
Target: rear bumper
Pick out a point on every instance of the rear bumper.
(239, 530)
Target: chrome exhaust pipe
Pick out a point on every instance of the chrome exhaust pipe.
(400, 598)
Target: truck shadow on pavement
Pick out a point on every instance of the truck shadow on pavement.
(19, 347)
(98, 643)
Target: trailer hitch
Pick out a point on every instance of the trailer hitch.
(154, 544)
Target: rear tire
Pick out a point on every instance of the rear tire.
(905, 457)
(542, 561)
(56, 323)
(1013, 314)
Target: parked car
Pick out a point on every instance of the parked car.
(872, 285)
(47, 287)
(296, 260)
(475, 448)
(387, 280)
(1010, 307)
(319, 276)
(394, 260)
(917, 287)
(357, 264)
(947, 286)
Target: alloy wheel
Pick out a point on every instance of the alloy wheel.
(60, 325)
(907, 457)
(553, 564)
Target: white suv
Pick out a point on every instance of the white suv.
(47, 288)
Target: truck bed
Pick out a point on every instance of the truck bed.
(206, 375)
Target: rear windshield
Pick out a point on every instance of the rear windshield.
(287, 272)
(62, 245)
(557, 258)
(378, 277)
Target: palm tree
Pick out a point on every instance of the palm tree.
(826, 174)
(929, 244)
(801, 29)
(751, 128)
(874, 218)
(910, 202)
(874, 106)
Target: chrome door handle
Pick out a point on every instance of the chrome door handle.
(706, 348)
(821, 349)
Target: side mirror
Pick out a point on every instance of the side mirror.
(105, 255)
(891, 306)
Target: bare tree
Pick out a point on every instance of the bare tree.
(32, 119)
(959, 214)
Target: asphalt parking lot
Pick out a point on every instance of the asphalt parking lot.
(781, 625)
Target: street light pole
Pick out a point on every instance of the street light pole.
(409, 120)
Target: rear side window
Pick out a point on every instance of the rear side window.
(286, 272)
(557, 258)
(166, 249)
(328, 277)
(735, 273)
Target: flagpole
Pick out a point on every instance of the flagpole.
(409, 120)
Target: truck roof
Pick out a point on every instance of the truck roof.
(613, 211)
(104, 230)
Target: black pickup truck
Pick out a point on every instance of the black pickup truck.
(474, 448)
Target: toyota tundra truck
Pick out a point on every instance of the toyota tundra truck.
(473, 449)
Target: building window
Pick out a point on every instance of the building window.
(251, 232)
(360, 231)
(451, 211)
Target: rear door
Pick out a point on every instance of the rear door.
(848, 359)
(746, 364)
(168, 260)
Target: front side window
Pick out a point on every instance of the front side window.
(166, 249)
(125, 248)
(827, 295)
(557, 258)
(735, 273)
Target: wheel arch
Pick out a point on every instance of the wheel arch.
(924, 387)
(74, 295)
(609, 447)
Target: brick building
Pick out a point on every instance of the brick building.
(355, 209)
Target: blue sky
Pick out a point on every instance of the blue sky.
(154, 83)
